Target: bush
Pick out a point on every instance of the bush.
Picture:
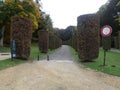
(43, 41)
(88, 37)
(22, 33)
(54, 41)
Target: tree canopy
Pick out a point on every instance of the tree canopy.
(109, 14)
(27, 8)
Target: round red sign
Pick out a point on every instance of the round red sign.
(106, 31)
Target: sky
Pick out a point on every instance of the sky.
(65, 12)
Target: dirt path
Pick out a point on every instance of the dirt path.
(60, 74)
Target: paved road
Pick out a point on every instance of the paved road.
(60, 73)
(4, 56)
(63, 54)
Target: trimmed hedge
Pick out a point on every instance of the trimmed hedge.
(21, 32)
(43, 41)
(88, 37)
(116, 43)
(54, 41)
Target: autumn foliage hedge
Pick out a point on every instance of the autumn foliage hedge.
(116, 43)
(54, 41)
(88, 37)
(43, 41)
(21, 32)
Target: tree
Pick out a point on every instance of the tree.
(108, 14)
(27, 8)
(117, 18)
(67, 33)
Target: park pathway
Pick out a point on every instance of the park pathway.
(60, 73)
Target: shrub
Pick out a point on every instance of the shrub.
(88, 37)
(22, 33)
(43, 41)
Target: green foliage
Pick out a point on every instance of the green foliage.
(45, 22)
(34, 52)
(65, 34)
(109, 15)
(27, 8)
(4, 49)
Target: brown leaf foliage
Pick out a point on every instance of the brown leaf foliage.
(43, 41)
(21, 32)
(88, 37)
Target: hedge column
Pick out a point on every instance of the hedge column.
(88, 37)
(22, 33)
(43, 41)
(116, 43)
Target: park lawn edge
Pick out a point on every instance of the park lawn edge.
(112, 66)
(7, 63)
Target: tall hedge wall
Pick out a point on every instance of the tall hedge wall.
(21, 32)
(43, 41)
(88, 37)
(54, 41)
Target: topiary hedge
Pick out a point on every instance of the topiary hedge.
(54, 41)
(21, 32)
(43, 41)
(88, 27)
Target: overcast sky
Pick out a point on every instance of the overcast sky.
(65, 12)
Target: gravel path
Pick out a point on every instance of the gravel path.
(60, 73)
(63, 54)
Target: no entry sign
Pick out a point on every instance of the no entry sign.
(106, 31)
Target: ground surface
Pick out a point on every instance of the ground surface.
(4, 56)
(60, 73)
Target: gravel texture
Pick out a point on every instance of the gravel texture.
(60, 73)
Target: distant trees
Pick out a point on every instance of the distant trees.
(44, 23)
(65, 34)
(109, 12)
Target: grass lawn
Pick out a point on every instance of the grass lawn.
(33, 56)
(4, 49)
(112, 62)
(8, 63)
(35, 52)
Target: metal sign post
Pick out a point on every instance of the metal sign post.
(13, 49)
(106, 31)
(104, 57)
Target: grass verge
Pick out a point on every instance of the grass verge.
(35, 52)
(112, 62)
(4, 49)
(8, 63)
(33, 56)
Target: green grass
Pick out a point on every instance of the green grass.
(112, 62)
(35, 52)
(4, 49)
(8, 63)
(33, 56)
